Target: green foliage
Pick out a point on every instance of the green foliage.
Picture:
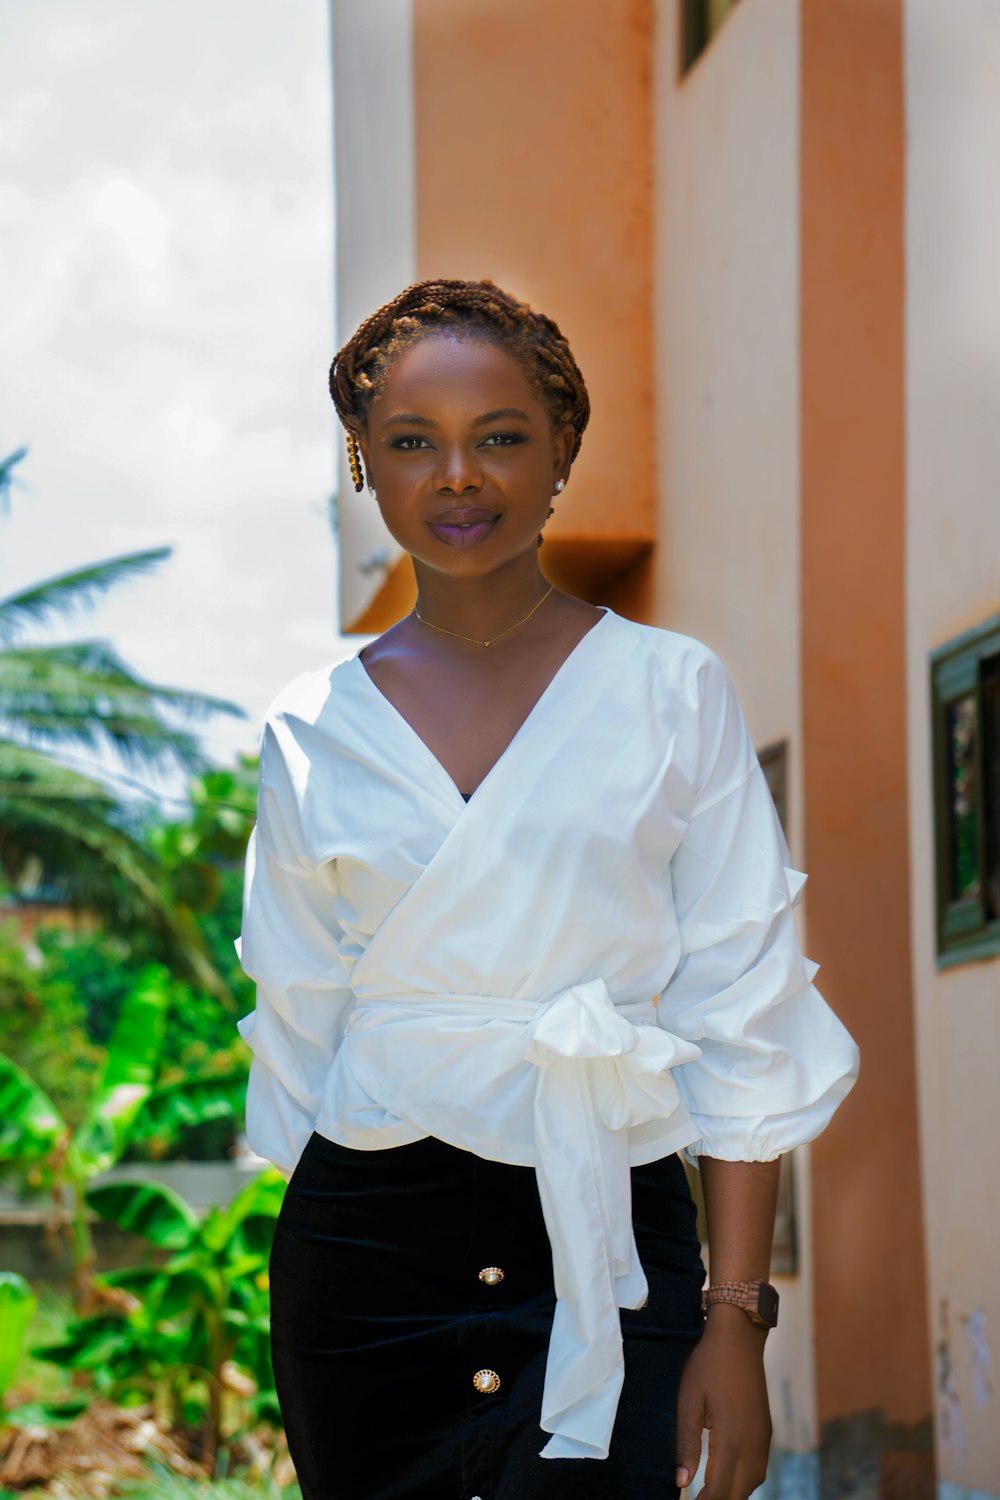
(62, 831)
(43, 1028)
(98, 970)
(181, 1324)
(200, 860)
(58, 1011)
(30, 1124)
(17, 1308)
(202, 857)
(47, 1414)
(129, 1074)
(148, 1209)
(42, 1380)
(38, 1142)
(80, 983)
(96, 967)
(202, 1110)
(18, 1305)
(223, 807)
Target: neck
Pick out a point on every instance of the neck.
(482, 606)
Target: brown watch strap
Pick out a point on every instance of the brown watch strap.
(758, 1299)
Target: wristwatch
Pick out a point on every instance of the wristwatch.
(758, 1300)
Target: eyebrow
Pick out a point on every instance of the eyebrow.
(501, 412)
(411, 419)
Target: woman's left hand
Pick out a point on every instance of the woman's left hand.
(723, 1388)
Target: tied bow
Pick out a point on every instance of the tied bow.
(599, 1075)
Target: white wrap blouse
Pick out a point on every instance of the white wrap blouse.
(591, 964)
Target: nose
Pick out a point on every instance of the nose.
(458, 472)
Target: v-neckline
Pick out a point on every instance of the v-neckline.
(518, 732)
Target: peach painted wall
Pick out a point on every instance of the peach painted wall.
(872, 1349)
(533, 163)
(513, 141)
(727, 563)
(953, 583)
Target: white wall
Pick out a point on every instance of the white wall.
(727, 568)
(953, 582)
(376, 242)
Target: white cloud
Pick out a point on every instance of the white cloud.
(166, 235)
(139, 222)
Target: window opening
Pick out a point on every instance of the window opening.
(965, 706)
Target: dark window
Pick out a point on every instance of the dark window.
(961, 749)
(991, 744)
(965, 697)
(700, 20)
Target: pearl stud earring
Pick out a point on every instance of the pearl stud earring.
(560, 486)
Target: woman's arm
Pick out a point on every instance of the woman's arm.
(775, 1064)
(722, 1387)
(290, 946)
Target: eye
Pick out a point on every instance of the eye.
(411, 444)
(505, 439)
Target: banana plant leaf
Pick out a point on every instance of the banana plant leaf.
(263, 1194)
(133, 1056)
(178, 1106)
(133, 1279)
(236, 1224)
(146, 1208)
(30, 1124)
(207, 1305)
(90, 1343)
(187, 1285)
(17, 1308)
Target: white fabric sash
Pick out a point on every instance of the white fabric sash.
(597, 1069)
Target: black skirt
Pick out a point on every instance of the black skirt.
(381, 1319)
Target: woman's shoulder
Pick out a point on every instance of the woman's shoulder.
(682, 662)
(309, 702)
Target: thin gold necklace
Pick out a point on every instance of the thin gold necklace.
(470, 638)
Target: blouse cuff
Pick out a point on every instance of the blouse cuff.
(768, 1136)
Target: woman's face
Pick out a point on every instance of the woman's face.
(462, 454)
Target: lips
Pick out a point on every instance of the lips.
(463, 526)
(460, 515)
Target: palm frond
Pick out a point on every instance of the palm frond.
(78, 589)
(73, 843)
(101, 662)
(7, 467)
(25, 772)
(83, 695)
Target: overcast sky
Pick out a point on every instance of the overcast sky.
(166, 325)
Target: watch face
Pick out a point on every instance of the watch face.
(767, 1304)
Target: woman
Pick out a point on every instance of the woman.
(517, 899)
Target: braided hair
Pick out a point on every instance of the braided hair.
(478, 308)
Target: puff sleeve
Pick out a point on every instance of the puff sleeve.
(776, 1062)
(289, 945)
